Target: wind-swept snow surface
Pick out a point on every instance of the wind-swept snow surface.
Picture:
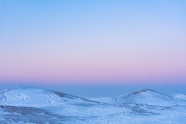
(34, 97)
(146, 96)
(180, 96)
(39, 106)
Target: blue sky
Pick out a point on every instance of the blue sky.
(93, 42)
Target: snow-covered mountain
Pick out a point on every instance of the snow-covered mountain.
(40, 106)
(146, 96)
(35, 97)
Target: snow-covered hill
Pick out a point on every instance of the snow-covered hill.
(146, 96)
(40, 106)
(34, 97)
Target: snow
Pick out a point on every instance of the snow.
(180, 96)
(146, 97)
(40, 106)
(34, 97)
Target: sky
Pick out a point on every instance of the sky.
(93, 41)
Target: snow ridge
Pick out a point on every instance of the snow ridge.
(40, 106)
(35, 97)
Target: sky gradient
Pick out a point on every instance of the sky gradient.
(93, 41)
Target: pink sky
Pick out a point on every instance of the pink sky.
(93, 41)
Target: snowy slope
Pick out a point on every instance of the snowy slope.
(146, 96)
(34, 97)
(180, 96)
(40, 106)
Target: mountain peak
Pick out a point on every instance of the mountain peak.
(147, 90)
(146, 96)
(143, 91)
(36, 97)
